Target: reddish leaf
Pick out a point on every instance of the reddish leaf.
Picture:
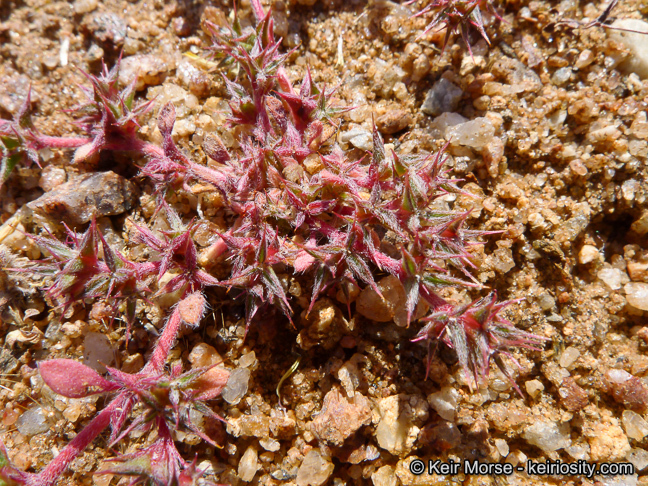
(73, 379)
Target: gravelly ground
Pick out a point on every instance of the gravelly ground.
(556, 157)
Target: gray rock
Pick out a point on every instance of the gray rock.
(97, 351)
(107, 27)
(32, 422)
(522, 79)
(443, 97)
(13, 90)
(101, 194)
(547, 435)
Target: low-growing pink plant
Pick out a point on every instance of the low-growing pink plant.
(108, 115)
(167, 399)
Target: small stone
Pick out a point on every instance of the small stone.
(323, 326)
(51, 177)
(548, 435)
(249, 464)
(446, 121)
(474, 133)
(639, 129)
(534, 388)
(133, 363)
(270, 444)
(546, 302)
(627, 390)
(572, 396)
(569, 356)
(493, 153)
(94, 53)
(575, 225)
(578, 168)
(74, 409)
(147, 69)
(629, 189)
(237, 386)
(107, 27)
(347, 292)
(613, 278)
(637, 295)
(635, 425)
(502, 447)
(384, 477)
(358, 137)
(99, 193)
(350, 375)
(73, 329)
(85, 6)
(503, 260)
(561, 76)
(256, 425)
(98, 352)
(504, 417)
(607, 442)
(33, 422)
(394, 121)
(443, 97)
(248, 360)
(396, 432)
(13, 90)
(283, 427)
(377, 308)
(184, 128)
(638, 458)
(193, 78)
(420, 67)
(314, 470)
(640, 226)
(392, 305)
(521, 78)
(588, 254)
(585, 58)
(203, 354)
(340, 417)
(445, 402)
(443, 436)
(635, 42)
(638, 271)
(578, 452)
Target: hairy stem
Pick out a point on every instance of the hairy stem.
(62, 142)
(163, 346)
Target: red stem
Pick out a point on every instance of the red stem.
(163, 346)
(62, 142)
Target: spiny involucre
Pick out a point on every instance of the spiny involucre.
(303, 202)
(81, 271)
(109, 116)
(457, 16)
